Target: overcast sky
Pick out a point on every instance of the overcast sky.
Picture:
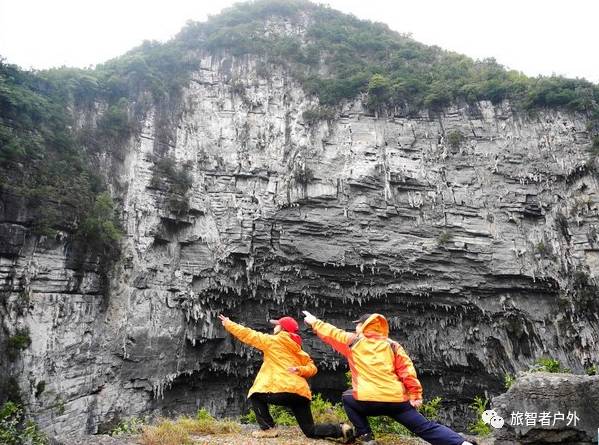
(533, 36)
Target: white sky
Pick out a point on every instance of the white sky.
(533, 36)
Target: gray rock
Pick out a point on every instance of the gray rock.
(548, 397)
(99, 439)
(446, 241)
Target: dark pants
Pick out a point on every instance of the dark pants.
(299, 406)
(434, 433)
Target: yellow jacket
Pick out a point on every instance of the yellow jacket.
(280, 354)
(380, 368)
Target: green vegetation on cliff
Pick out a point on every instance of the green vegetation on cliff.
(15, 429)
(479, 427)
(16, 343)
(43, 166)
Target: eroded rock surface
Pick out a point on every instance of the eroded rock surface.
(481, 253)
(570, 404)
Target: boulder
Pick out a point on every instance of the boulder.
(545, 408)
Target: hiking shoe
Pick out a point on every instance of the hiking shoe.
(271, 432)
(349, 435)
(366, 439)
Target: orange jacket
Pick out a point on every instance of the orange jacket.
(280, 354)
(380, 368)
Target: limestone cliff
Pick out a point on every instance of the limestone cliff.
(481, 249)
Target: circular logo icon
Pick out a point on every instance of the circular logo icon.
(488, 415)
(497, 422)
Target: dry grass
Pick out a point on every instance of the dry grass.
(166, 432)
(179, 431)
(208, 426)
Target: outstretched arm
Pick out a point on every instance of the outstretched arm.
(404, 368)
(337, 338)
(246, 335)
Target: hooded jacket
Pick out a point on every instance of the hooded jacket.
(281, 352)
(380, 368)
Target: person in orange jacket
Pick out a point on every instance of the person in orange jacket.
(384, 381)
(282, 379)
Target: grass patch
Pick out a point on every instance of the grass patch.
(479, 427)
(180, 430)
(205, 423)
(508, 381)
(547, 364)
(128, 427)
(324, 411)
(166, 432)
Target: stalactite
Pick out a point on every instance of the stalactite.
(159, 386)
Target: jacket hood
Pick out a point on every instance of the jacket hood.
(376, 324)
(295, 341)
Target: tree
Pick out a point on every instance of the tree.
(100, 229)
(379, 90)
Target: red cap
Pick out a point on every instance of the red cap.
(287, 324)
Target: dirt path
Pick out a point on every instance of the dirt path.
(288, 436)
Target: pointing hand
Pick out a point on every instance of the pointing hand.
(309, 318)
(224, 320)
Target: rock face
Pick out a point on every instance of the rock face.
(481, 249)
(571, 401)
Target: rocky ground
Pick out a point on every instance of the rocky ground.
(288, 436)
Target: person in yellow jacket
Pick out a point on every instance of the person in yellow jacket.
(384, 381)
(282, 379)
